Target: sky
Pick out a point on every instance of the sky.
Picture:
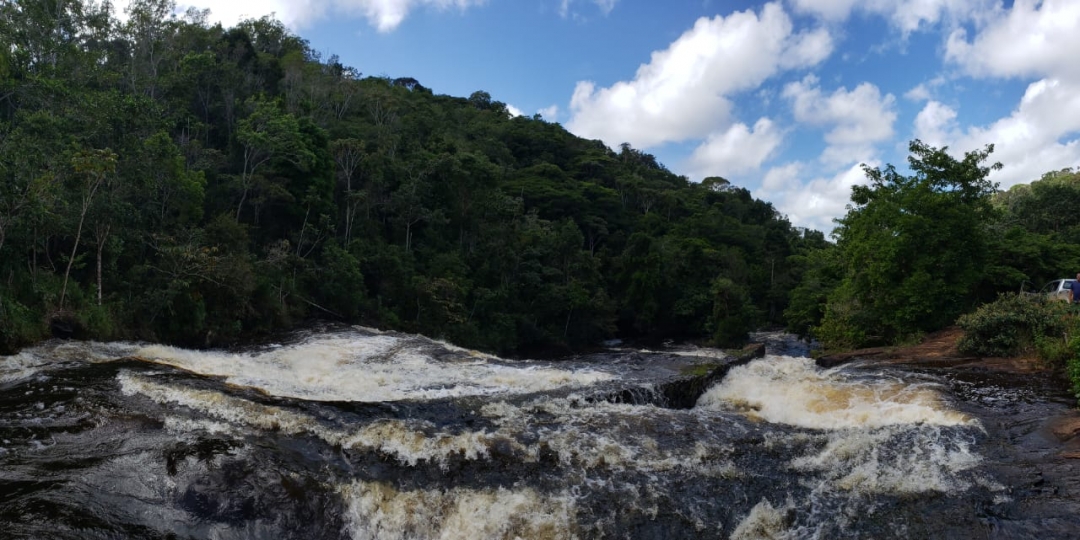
(786, 98)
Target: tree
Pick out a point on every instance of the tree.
(267, 134)
(914, 247)
(95, 167)
(348, 154)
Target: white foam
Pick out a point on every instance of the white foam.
(764, 522)
(868, 461)
(371, 368)
(612, 436)
(597, 436)
(33, 360)
(794, 391)
(376, 511)
(405, 442)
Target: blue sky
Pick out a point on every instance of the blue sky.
(785, 98)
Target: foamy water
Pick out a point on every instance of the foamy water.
(794, 391)
(404, 440)
(882, 436)
(779, 449)
(372, 368)
(376, 511)
(52, 354)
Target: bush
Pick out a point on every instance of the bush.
(19, 325)
(844, 325)
(1014, 324)
(1072, 366)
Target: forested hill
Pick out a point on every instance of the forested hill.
(170, 180)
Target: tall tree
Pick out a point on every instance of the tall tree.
(96, 168)
(914, 247)
(266, 134)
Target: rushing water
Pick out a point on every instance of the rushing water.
(352, 433)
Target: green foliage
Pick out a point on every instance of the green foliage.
(19, 325)
(733, 314)
(913, 248)
(249, 185)
(821, 272)
(1013, 324)
(1064, 351)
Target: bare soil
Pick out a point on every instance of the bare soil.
(937, 350)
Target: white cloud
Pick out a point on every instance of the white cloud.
(384, 15)
(919, 93)
(514, 111)
(1037, 41)
(684, 92)
(737, 150)
(858, 118)
(550, 114)
(815, 203)
(1033, 39)
(904, 15)
(1040, 135)
(936, 124)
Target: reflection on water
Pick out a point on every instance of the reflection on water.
(359, 434)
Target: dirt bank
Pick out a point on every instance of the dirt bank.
(936, 350)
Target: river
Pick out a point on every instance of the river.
(351, 433)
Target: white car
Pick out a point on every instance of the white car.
(1057, 289)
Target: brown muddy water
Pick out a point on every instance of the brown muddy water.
(353, 433)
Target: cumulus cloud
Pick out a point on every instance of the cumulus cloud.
(550, 114)
(684, 92)
(737, 150)
(925, 91)
(858, 118)
(384, 15)
(815, 203)
(918, 93)
(514, 111)
(1033, 39)
(936, 124)
(1032, 140)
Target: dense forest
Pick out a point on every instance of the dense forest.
(167, 179)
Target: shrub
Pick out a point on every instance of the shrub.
(1013, 324)
(1072, 366)
(19, 325)
(843, 326)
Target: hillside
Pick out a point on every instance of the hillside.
(170, 180)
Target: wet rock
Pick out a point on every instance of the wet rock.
(1066, 428)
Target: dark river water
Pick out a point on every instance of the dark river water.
(355, 434)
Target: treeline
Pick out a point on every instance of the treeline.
(171, 180)
(915, 252)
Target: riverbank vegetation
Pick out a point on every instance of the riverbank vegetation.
(167, 179)
(1026, 324)
(917, 253)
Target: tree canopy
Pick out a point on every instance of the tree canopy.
(916, 251)
(167, 179)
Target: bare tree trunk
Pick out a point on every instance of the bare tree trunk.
(74, 249)
(102, 237)
(300, 242)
